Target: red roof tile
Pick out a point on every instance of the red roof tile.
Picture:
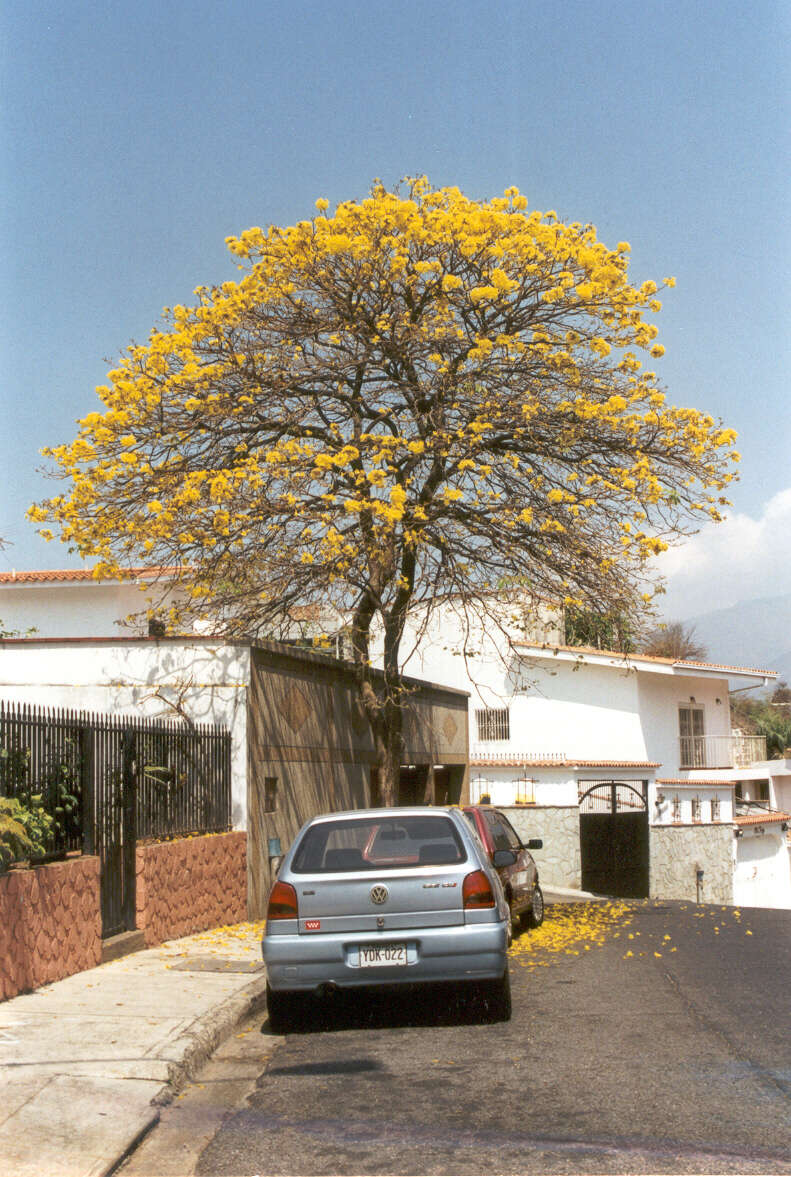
(65, 575)
(762, 819)
(306, 612)
(686, 781)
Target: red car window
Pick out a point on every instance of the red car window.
(500, 835)
(516, 841)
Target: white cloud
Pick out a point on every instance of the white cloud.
(738, 560)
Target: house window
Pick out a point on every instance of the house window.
(715, 809)
(676, 808)
(693, 744)
(270, 794)
(696, 809)
(493, 723)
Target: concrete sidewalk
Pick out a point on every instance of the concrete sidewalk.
(85, 1063)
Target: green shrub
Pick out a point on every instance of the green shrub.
(24, 830)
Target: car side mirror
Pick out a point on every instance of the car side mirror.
(502, 858)
(535, 844)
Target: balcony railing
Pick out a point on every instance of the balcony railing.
(484, 750)
(721, 751)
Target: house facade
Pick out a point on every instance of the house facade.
(625, 766)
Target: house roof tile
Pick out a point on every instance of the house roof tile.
(66, 575)
(691, 783)
(761, 819)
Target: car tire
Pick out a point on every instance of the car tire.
(535, 913)
(280, 1008)
(496, 996)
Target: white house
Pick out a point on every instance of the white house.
(626, 766)
(72, 603)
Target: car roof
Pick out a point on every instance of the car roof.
(392, 811)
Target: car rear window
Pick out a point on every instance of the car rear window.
(376, 844)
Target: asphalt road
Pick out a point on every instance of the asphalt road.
(664, 1049)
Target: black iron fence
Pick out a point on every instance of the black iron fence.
(74, 759)
(108, 780)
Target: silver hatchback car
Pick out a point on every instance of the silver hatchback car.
(386, 897)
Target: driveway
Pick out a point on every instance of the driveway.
(650, 1038)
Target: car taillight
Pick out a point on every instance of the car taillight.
(477, 891)
(282, 903)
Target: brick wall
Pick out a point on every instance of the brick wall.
(50, 923)
(191, 884)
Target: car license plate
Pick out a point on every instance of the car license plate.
(378, 955)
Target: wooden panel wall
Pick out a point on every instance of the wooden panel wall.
(307, 731)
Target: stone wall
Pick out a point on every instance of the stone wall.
(677, 851)
(50, 923)
(558, 826)
(191, 884)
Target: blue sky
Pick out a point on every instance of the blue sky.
(135, 138)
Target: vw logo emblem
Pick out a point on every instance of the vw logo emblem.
(379, 894)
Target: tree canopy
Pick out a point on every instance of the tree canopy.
(675, 639)
(419, 393)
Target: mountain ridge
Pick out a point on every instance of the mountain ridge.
(748, 633)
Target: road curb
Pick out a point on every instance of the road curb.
(192, 1050)
(196, 1046)
(139, 1133)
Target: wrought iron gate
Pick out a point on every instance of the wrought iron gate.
(112, 832)
(614, 838)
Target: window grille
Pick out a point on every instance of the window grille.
(696, 809)
(493, 724)
(270, 794)
(715, 809)
(676, 808)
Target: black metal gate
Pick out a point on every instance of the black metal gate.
(110, 800)
(614, 838)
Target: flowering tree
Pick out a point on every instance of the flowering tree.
(421, 393)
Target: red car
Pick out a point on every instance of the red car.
(520, 876)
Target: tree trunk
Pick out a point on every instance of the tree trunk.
(392, 750)
(382, 699)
